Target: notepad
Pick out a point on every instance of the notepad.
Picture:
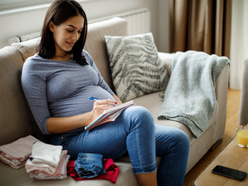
(109, 115)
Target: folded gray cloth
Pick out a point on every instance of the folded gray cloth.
(190, 95)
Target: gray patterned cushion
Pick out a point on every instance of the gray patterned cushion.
(136, 68)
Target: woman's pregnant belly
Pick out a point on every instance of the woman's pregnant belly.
(78, 102)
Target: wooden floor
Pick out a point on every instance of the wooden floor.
(232, 120)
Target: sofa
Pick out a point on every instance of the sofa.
(15, 122)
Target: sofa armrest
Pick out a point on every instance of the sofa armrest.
(221, 90)
(243, 116)
(167, 59)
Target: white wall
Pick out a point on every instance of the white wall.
(24, 22)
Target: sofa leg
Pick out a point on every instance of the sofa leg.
(214, 146)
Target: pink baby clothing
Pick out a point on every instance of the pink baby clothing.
(13, 163)
(16, 153)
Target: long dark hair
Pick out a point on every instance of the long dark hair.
(59, 12)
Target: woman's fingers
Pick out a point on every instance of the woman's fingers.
(105, 104)
(106, 101)
(101, 105)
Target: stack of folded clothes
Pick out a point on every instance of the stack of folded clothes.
(44, 161)
(16, 153)
(47, 162)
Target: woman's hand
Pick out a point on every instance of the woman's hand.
(64, 124)
(99, 107)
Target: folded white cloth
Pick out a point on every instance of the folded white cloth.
(16, 153)
(45, 153)
(60, 173)
(32, 166)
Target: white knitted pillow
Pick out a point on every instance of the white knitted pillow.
(136, 68)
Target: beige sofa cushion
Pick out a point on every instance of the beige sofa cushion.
(153, 102)
(27, 48)
(95, 44)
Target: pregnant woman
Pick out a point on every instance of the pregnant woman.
(58, 82)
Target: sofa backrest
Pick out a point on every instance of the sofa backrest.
(95, 44)
(14, 118)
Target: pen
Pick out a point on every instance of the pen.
(93, 98)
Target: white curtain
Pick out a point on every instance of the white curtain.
(239, 41)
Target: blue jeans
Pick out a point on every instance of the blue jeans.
(134, 132)
(89, 165)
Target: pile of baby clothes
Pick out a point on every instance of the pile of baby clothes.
(16, 153)
(47, 162)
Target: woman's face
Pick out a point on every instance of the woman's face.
(66, 34)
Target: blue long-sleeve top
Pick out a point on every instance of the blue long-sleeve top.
(61, 88)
